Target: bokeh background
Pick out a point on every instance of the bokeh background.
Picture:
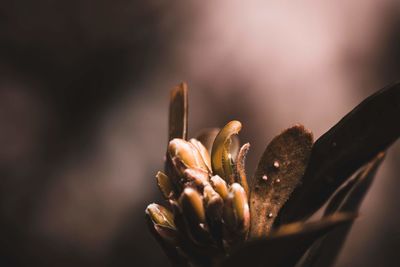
(83, 110)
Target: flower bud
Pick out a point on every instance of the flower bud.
(160, 215)
(192, 206)
(219, 186)
(196, 177)
(203, 152)
(161, 223)
(165, 185)
(186, 153)
(191, 203)
(236, 210)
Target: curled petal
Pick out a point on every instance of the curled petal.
(221, 157)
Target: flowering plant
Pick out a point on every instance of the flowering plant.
(213, 218)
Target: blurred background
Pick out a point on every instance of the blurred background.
(84, 91)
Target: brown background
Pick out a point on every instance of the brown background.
(83, 110)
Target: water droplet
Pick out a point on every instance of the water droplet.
(264, 177)
(270, 215)
(278, 180)
(276, 164)
(202, 225)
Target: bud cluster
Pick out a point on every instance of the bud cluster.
(208, 211)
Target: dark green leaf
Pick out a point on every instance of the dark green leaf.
(279, 171)
(369, 128)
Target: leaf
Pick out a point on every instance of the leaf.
(279, 171)
(286, 246)
(369, 128)
(339, 196)
(324, 252)
(363, 181)
(178, 112)
(177, 125)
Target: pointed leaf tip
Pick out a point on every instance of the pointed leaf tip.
(178, 112)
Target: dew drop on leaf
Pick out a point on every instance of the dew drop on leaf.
(276, 164)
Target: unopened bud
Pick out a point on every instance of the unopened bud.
(219, 186)
(236, 211)
(165, 185)
(187, 154)
(203, 152)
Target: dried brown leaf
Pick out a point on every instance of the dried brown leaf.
(279, 171)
